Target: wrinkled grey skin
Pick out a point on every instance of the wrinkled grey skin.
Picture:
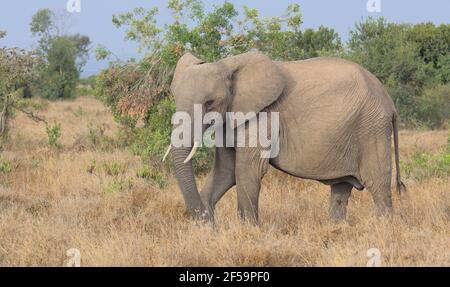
(336, 122)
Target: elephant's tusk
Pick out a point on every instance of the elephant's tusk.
(167, 152)
(191, 154)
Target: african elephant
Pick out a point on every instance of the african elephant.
(335, 119)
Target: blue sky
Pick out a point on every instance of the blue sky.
(95, 18)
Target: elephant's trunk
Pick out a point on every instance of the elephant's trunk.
(186, 181)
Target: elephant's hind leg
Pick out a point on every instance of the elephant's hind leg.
(340, 193)
(376, 174)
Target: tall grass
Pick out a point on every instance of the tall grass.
(109, 205)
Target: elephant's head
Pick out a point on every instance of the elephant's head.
(245, 83)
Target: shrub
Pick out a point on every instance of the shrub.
(65, 55)
(5, 166)
(118, 185)
(152, 174)
(97, 138)
(435, 106)
(424, 165)
(17, 69)
(114, 168)
(53, 134)
(60, 75)
(412, 61)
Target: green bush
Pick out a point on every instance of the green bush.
(151, 141)
(5, 166)
(65, 55)
(424, 165)
(98, 140)
(53, 134)
(17, 69)
(150, 173)
(412, 61)
(118, 185)
(61, 74)
(83, 90)
(114, 168)
(434, 108)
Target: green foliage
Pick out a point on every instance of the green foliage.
(101, 53)
(83, 91)
(65, 55)
(152, 174)
(60, 75)
(114, 168)
(434, 108)
(423, 165)
(42, 24)
(53, 135)
(17, 70)
(410, 61)
(97, 138)
(119, 184)
(5, 166)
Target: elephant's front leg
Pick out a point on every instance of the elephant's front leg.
(250, 168)
(221, 177)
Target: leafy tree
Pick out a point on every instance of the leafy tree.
(432, 42)
(65, 55)
(42, 25)
(409, 60)
(16, 68)
(60, 75)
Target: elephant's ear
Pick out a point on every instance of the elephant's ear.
(256, 82)
(185, 61)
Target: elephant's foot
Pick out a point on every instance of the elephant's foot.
(338, 213)
(202, 215)
(382, 200)
(248, 216)
(340, 194)
(383, 207)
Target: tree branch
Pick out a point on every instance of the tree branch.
(31, 115)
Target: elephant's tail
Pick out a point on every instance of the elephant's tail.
(400, 185)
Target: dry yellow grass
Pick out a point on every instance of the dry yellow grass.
(56, 200)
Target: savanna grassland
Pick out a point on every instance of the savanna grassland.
(85, 192)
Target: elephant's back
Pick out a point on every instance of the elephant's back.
(335, 80)
(334, 89)
(328, 106)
